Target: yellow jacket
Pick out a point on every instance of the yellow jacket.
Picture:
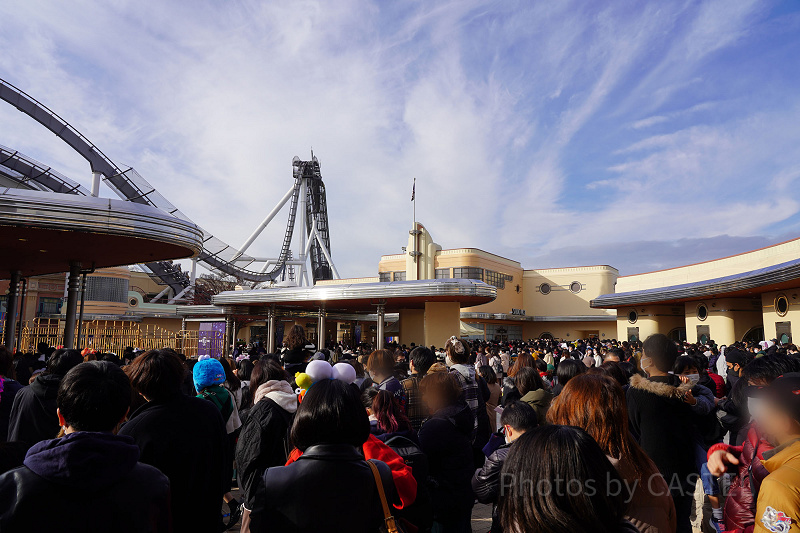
(778, 507)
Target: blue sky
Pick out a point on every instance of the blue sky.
(639, 134)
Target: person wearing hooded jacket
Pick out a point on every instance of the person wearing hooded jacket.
(90, 479)
(660, 415)
(33, 415)
(263, 440)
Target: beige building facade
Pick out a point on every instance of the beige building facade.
(751, 296)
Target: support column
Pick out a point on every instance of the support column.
(271, 329)
(72, 304)
(97, 177)
(80, 312)
(228, 335)
(321, 328)
(23, 300)
(11, 311)
(381, 322)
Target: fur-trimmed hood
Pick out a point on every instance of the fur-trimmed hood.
(660, 388)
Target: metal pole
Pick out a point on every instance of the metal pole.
(326, 254)
(381, 316)
(11, 311)
(80, 313)
(228, 334)
(271, 329)
(23, 300)
(243, 248)
(96, 178)
(72, 304)
(302, 274)
(321, 328)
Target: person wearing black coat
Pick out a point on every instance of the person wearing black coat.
(330, 487)
(33, 414)
(659, 413)
(181, 436)
(446, 438)
(89, 480)
(263, 440)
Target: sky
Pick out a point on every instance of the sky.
(644, 135)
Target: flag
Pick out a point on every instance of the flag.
(414, 190)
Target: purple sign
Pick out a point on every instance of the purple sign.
(210, 339)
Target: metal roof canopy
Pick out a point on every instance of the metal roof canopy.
(745, 284)
(42, 233)
(364, 297)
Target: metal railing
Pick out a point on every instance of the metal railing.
(114, 336)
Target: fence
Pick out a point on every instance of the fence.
(115, 336)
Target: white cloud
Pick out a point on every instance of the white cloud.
(526, 125)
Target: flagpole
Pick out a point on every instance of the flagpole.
(414, 225)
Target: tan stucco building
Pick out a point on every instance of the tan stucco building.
(749, 296)
(529, 304)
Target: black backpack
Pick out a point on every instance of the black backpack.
(420, 513)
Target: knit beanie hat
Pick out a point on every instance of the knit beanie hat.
(206, 373)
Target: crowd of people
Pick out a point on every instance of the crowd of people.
(587, 436)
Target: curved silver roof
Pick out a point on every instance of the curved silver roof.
(354, 296)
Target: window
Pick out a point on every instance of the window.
(385, 276)
(633, 316)
(497, 279)
(702, 312)
(468, 273)
(49, 306)
(781, 305)
(575, 287)
(442, 273)
(400, 276)
(545, 288)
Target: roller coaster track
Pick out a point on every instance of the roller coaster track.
(131, 186)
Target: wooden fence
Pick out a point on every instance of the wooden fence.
(114, 336)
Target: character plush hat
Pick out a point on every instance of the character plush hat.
(207, 373)
(319, 370)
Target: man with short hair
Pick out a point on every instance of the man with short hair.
(517, 418)
(420, 361)
(778, 417)
(33, 414)
(660, 414)
(90, 479)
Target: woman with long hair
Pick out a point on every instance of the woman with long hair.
(554, 482)
(510, 392)
(597, 404)
(532, 388)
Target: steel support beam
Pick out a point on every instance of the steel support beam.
(271, 331)
(381, 322)
(243, 248)
(321, 328)
(10, 330)
(73, 285)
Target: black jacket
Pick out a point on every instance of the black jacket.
(183, 437)
(486, 482)
(263, 443)
(84, 482)
(446, 440)
(329, 488)
(33, 415)
(10, 390)
(664, 423)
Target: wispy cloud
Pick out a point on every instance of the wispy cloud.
(529, 126)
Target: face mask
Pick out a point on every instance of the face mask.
(754, 407)
(694, 379)
(448, 361)
(646, 363)
(733, 374)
